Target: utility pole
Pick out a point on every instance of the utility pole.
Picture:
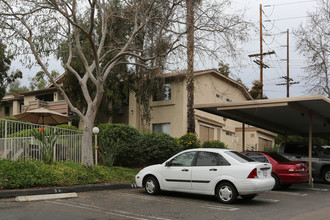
(287, 77)
(261, 55)
(287, 64)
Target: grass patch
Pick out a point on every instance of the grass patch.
(19, 175)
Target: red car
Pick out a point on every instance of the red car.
(285, 172)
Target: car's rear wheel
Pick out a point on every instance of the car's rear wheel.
(226, 193)
(151, 185)
(249, 197)
(277, 182)
(326, 175)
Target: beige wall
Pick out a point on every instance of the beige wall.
(209, 88)
(171, 111)
(58, 96)
(27, 99)
(174, 111)
(254, 137)
(16, 107)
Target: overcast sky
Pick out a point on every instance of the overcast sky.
(278, 16)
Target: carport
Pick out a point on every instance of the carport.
(305, 116)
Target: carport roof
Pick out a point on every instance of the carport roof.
(284, 115)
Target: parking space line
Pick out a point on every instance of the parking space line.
(217, 207)
(114, 212)
(288, 193)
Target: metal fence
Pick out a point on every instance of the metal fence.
(25, 141)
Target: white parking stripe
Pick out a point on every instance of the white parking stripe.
(114, 212)
(217, 207)
(288, 193)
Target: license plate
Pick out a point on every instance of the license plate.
(264, 172)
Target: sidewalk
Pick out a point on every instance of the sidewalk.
(64, 189)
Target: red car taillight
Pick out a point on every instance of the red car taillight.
(253, 174)
(297, 169)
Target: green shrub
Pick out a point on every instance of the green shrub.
(25, 174)
(272, 149)
(189, 141)
(70, 127)
(214, 144)
(121, 140)
(157, 147)
(24, 133)
(14, 175)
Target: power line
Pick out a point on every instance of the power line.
(290, 18)
(290, 3)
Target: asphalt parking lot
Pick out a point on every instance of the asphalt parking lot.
(299, 202)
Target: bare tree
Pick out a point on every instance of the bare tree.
(38, 26)
(313, 42)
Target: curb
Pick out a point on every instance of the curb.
(45, 197)
(64, 189)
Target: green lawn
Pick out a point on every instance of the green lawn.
(19, 175)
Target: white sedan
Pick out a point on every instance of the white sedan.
(224, 173)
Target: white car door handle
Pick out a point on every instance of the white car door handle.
(185, 170)
(213, 169)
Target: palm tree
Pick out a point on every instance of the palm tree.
(190, 55)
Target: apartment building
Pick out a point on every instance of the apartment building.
(168, 111)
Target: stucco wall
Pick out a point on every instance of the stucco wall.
(171, 111)
(27, 99)
(209, 88)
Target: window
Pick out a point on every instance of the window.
(229, 133)
(219, 96)
(165, 94)
(278, 157)
(258, 157)
(184, 159)
(298, 149)
(8, 110)
(211, 159)
(239, 157)
(162, 128)
(207, 159)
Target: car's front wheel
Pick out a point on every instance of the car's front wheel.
(326, 175)
(226, 193)
(151, 185)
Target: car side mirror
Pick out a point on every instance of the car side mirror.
(168, 163)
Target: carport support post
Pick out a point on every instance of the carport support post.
(243, 136)
(310, 149)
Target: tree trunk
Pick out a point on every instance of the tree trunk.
(87, 142)
(190, 74)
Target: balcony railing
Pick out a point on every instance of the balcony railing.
(18, 143)
(60, 106)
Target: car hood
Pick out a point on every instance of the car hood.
(151, 168)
